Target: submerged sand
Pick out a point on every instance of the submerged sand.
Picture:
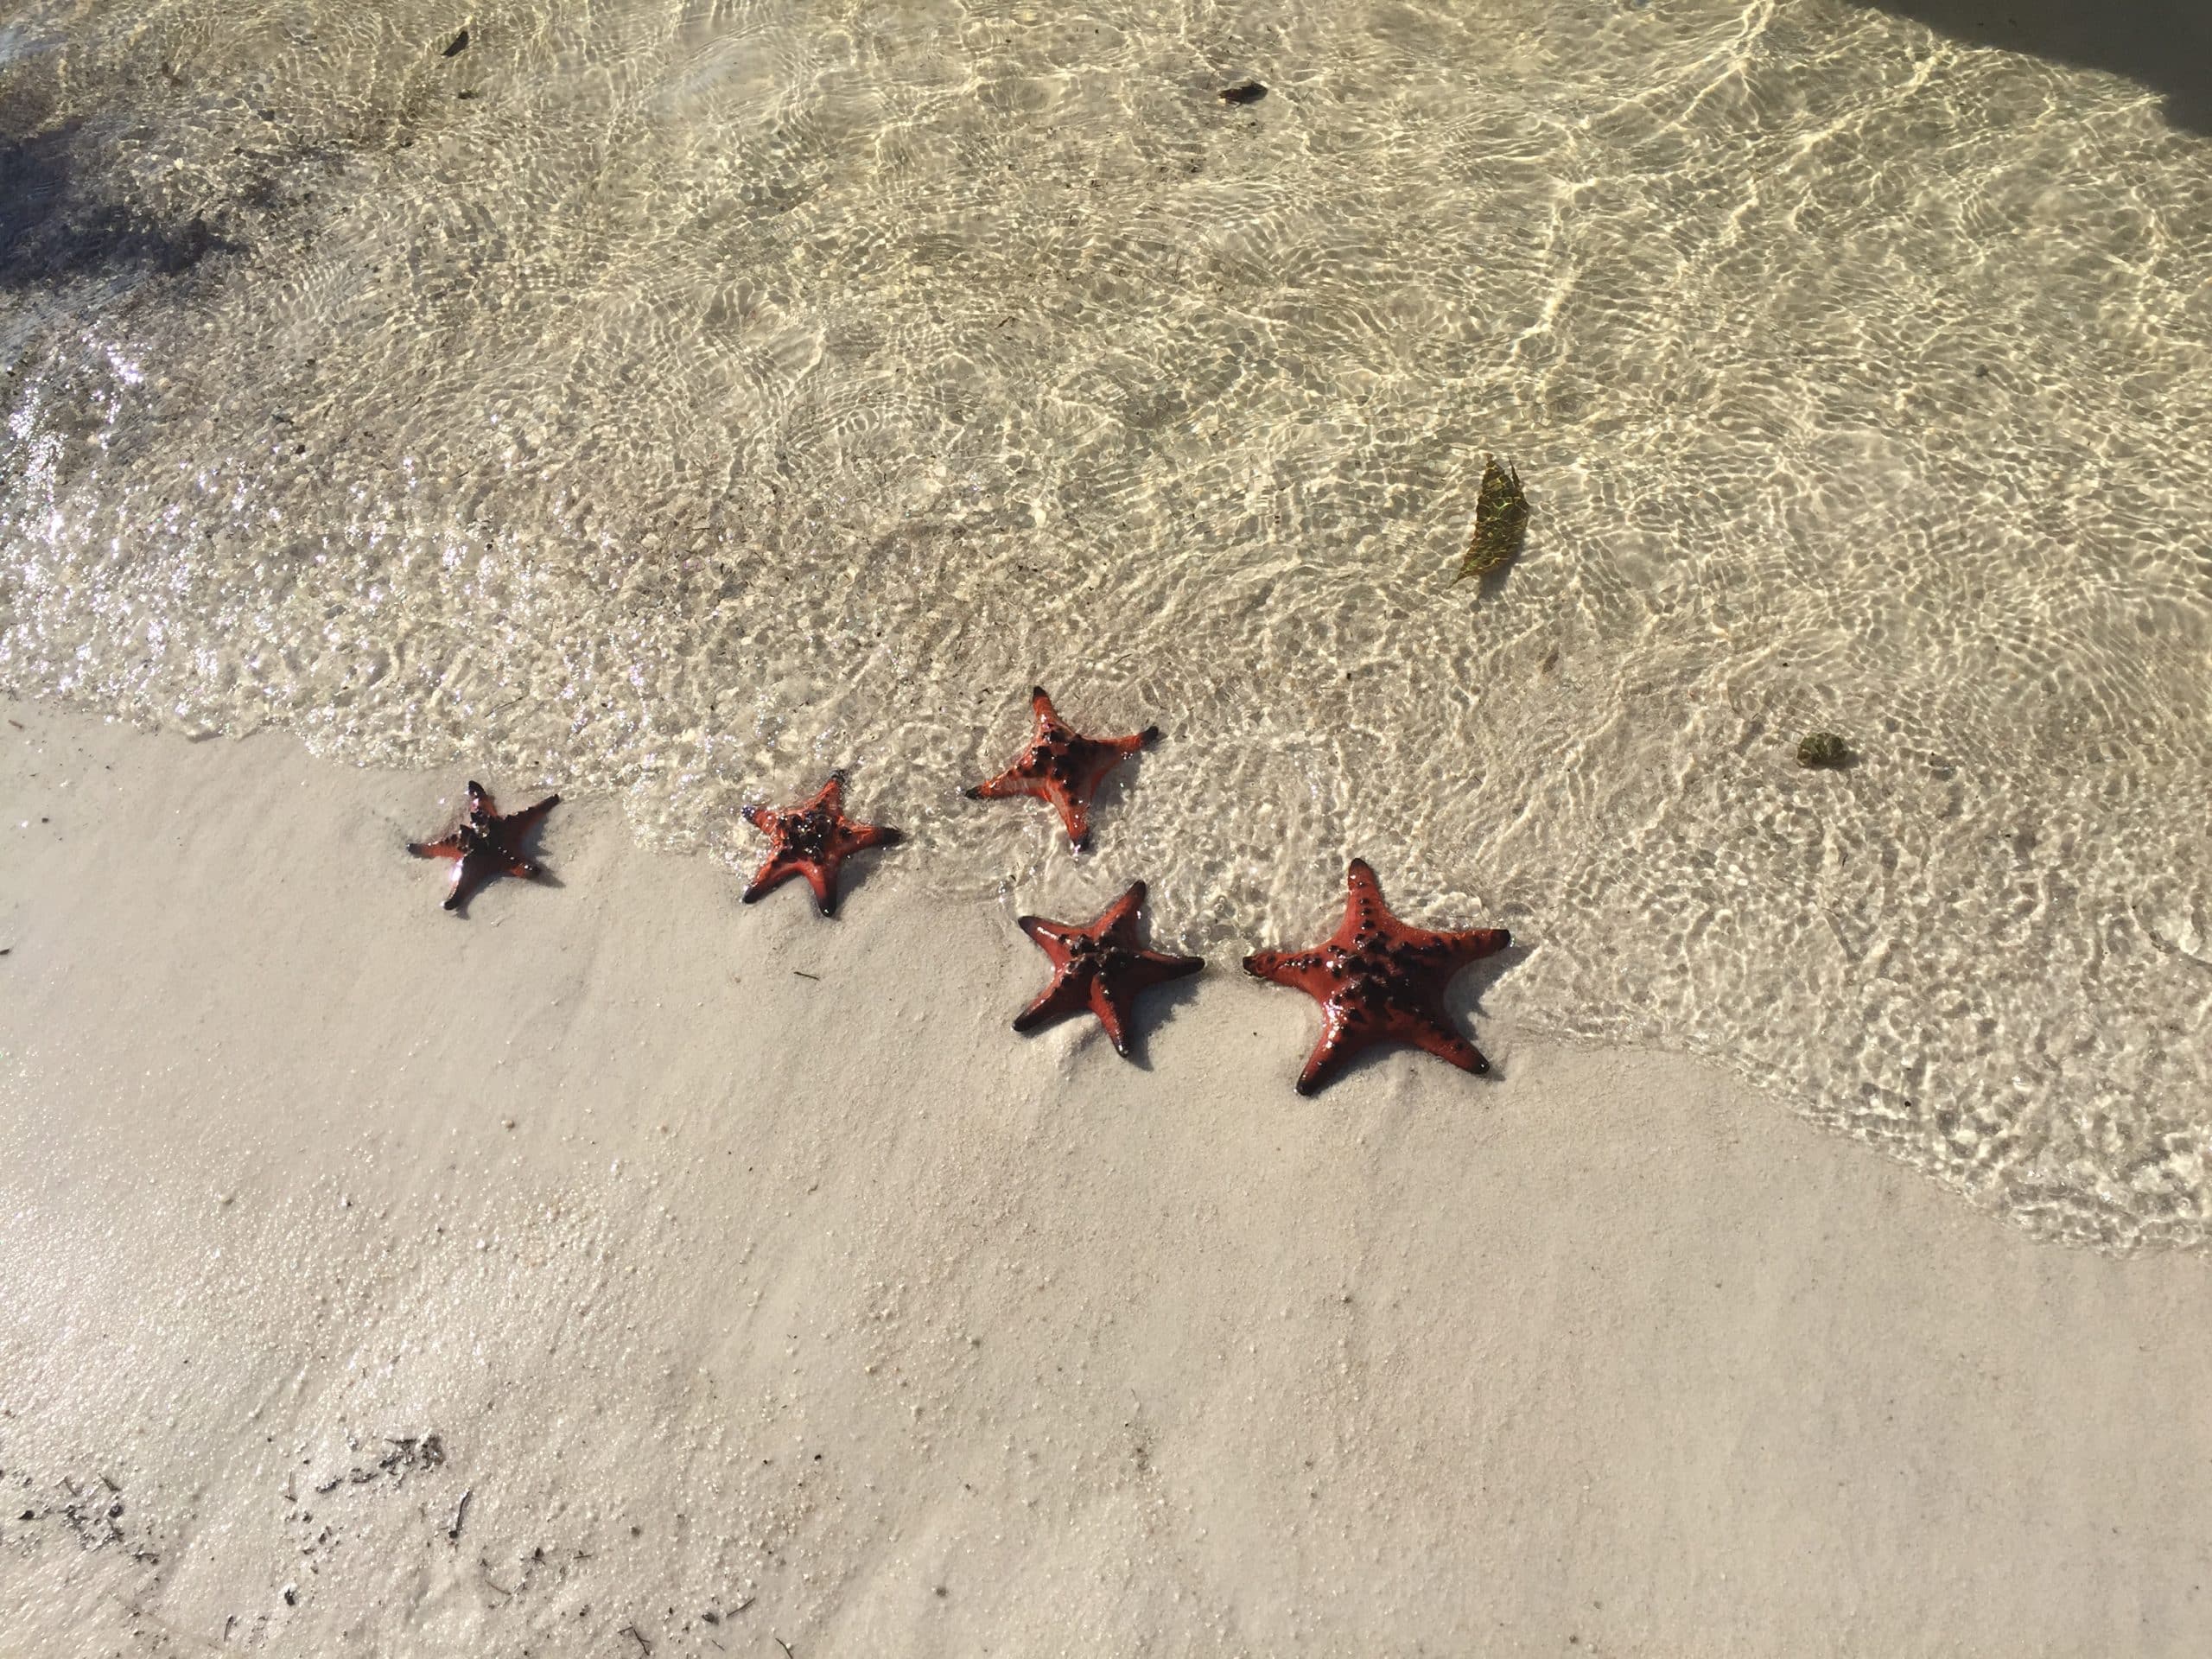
(620, 1271)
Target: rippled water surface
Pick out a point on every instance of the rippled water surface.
(678, 398)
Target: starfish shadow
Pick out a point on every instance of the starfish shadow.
(1368, 1059)
(62, 214)
(2160, 45)
(850, 881)
(1492, 585)
(1111, 798)
(1463, 999)
(544, 878)
(1161, 1006)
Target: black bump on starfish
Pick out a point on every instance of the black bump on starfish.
(1099, 966)
(1378, 981)
(812, 840)
(486, 844)
(1063, 766)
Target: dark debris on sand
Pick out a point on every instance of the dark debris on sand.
(1501, 521)
(1823, 751)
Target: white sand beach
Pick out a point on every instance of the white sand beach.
(763, 1293)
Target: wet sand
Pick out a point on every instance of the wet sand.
(622, 1271)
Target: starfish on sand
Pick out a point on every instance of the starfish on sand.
(1063, 766)
(1379, 980)
(484, 845)
(812, 839)
(1099, 966)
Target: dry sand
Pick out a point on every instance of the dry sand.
(759, 1287)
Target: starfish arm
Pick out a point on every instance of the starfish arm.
(823, 878)
(526, 820)
(526, 868)
(480, 799)
(469, 873)
(1075, 815)
(1158, 967)
(832, 794)
(1066, 994)
(859, 838)
(1336, 1046)
(1450, 951)
(1442, 1041)
(1364, 905)
(1121, 915)
(1012, 781)
(1476, 943)
(1040, 705)
(444, 847)
(1107, 1007)
(1283, 967)
(1051, 936)
(770, 876)
(763, 818)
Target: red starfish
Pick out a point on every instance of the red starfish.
(485, 845)
(1099, 966)
(812, 839)
(1378, 980)
(1063, 766)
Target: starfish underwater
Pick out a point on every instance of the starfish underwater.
(1063, 766)
(484, 845)
(812, 839)
(1099, 966)
(1379, 980)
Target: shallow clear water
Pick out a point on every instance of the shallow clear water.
(681, 398)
